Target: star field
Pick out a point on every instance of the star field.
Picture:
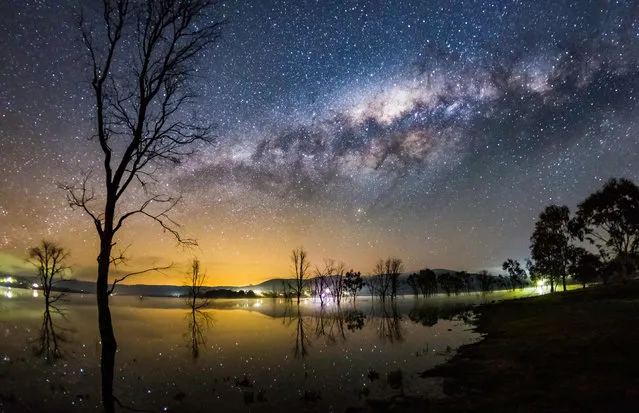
(433, 131)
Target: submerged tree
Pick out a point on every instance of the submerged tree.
(50, 261)
(609, 219)
(550, 245)
(353, 283)
(301, 266)
(394, 268)
(380, 281)
(321, 282)
(141, 57)
(337, 281)
(196, 298)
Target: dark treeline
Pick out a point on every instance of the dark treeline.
(600, 242)
(226, 293)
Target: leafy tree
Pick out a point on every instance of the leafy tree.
(467, 281)
(609, 219)
(457, 282)
(486, 281)
(413, 283)
(353, 283)
(428, 282)
(446, 282)
(585, 266)
(141, 62)
(516, 274)
(550, 244)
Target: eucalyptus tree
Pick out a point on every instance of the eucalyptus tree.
(550, 245)
(609, 220)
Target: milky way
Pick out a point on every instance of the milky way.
(433, 131)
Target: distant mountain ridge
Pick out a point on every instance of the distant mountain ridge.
(271, 285)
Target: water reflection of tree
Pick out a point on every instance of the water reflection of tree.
(331, 325)
(52, 336)
(50, 260)
(302, 343)
(428, 315)
(390, 328)
(198, 321)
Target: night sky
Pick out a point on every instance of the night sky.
(435, 131)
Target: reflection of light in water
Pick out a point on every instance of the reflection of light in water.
(257, 304)
(35, 293)
(9, 294)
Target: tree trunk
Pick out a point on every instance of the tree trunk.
(552, 286)
(107, 336)
(563, 278)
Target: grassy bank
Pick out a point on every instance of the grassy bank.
(576, 351)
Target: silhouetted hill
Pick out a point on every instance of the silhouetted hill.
(275, 285)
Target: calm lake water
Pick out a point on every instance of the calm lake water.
(237, 355)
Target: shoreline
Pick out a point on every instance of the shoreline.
(572, 351)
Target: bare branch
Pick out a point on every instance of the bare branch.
(131, 274)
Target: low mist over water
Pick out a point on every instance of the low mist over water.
(260, 353)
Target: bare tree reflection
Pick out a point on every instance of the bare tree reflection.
(302, 343)
(52, 336)
(390, 328)
(50, 260)
(428, 315)
(332, 325)
(198, 322)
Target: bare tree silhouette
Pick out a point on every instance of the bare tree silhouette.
(141, 58)
(337, 281)
(50, 260)
(321, 282)
(198, 319)
(196, 299)
(301, 266)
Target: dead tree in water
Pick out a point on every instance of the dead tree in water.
(141, 59)
(49, 258)
(301, 266)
